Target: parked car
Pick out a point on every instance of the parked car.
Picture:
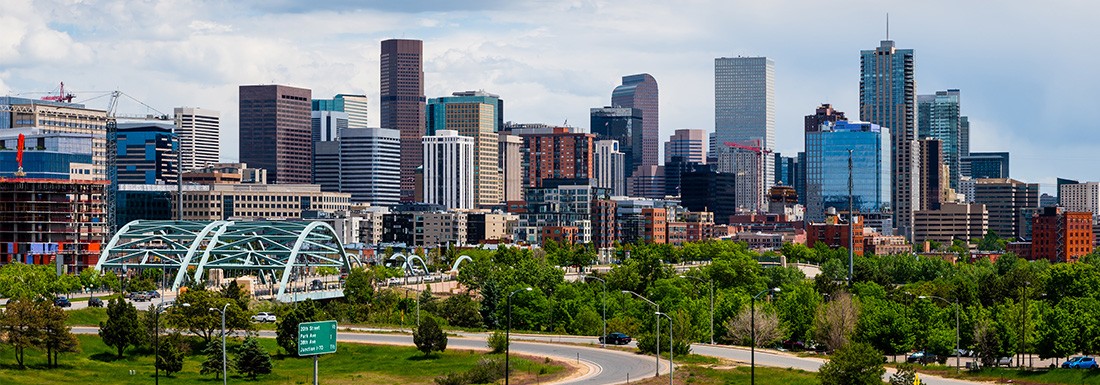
(95, 302)
(62, 302)
(316, 285)
(263, 317)
(794, 345)
(1004, 361)
(615, 339)
(923, 358)
(1081, 362)
(140, 297)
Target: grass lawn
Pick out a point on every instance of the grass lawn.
(711, 375)
(1026, 377)
(352, 364)
(89, 316)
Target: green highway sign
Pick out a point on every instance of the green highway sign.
(316, 338)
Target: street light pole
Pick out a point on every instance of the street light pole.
(752, 345)
(508, 334)
(710, 284)
(658, 333)
(156, 337)
(957, 352)
(671, 370)
(603, 337)
(417, 304)
(225, 378)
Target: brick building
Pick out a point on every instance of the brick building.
(834, 233)
(1059, 235)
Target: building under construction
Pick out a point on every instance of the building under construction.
(43, 219)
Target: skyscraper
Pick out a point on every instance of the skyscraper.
(402, 104)
(744, 113)
(146, 153)
(198, 130)
(608, 167)
(824, 114)
(354, 105)
(477, 115)
(887, 97)
(687, 143)
(275, 131)
(978, 165)
(1007, 200)
(449, 170)
(510, 161)
(623, 125)
(932, 160)
(640, 91)
(938, 116)
(559, 155)
(327, 125)
(827, 168)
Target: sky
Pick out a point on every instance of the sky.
(1027, 73)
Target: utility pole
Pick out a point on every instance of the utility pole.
(851, 222)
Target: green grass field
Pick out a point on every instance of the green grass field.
(708, 375)
(352, 364)
(1028, 377)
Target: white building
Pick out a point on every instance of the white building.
(609, 167)
(510, 160)
(327, 125)
(364, 162)
(356, 107)
(744, 108)
(198, 130)
(1081, 197)
(449, 170)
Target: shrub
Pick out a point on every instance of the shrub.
(498, 342)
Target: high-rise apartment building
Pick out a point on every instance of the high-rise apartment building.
(275, 131)
(354, 105)
(932, 160)
(510, 161)
(608, 167)
(560, 154)
(364, 162)
(449, 170)
(1007, 200)
(640, 91)
(1081, 197)
(980, 165)
(951, 221)
(827, 157)
(939, 116)
(744, 112)
(476, 115)
(964, 140)
(198, 130)
(1061, 235)
(823, 114)
(623, 125)
(690, 144)
(887, 97)
(402, 104)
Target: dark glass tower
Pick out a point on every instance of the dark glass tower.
(623, 124)
(640, 91)
(402, 104)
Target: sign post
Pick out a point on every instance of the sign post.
(315, 339)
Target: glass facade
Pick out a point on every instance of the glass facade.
(622, 124)
(938, 117)
(827, 168)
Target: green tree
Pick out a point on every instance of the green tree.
(429, 337)
(854, 364)
(198, 320)
(233, 292)
(885, 325)
(90, 278)
(56, 337)
(19, 280)
(286, 332)
(121, 329)
(798, 300)
(252, 360)
(991, 242)
(461, 310)
(171, 354)
(213, 363)
(498, 342)
(20, 326)
(359, 286)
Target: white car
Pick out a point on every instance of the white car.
(263, 317)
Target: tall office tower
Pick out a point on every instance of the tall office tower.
(275, 131)
(449, 170)
(510, 161)
(326, 165)
(476, 115)
(800, 177)
(687, 143)
(786, 170)
(964, 139)
(640, 91)
(887, 97)
(608, 167)
(1081, 197)
(558, 155)
(146, 154)
(402, 104)
(932, 160)
(327, 125)
(623, 125)
(199, 136)
(704, 189)
(370, 165)
(354, 105)
(980, 165)
(827, 168)
(938, 116)
(744, 112)
(823, 114)
(1007, 200)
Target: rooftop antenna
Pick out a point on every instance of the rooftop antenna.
(887, 25)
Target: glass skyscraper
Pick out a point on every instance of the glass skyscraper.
(744, 113)
(939, 117)
(640, 91)
(827, 168)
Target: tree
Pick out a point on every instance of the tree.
(987, 342)
(233, 292)
(19, 280)
(19, 327)
(359, 286)
(198, 320)
(429, 337)
(498, 342)
(90, 278)
(885, 325)
(121, 329)
(213, 363)
(798, 300)
(834, 322)
(171, 354)
(252, 360)
(56, 337)
(991, 242)
(767, 327)
(461, 310)
(853, 364)
(286, 332)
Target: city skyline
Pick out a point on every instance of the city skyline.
(209, 49)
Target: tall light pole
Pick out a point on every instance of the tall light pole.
(710, 283)
(225, 375)
(752, 316)
(956, 325)
(658, 333)
(156, 338)
(671, 371)
(417, 304)
(603, 337)
(851, 223)
(508, 334)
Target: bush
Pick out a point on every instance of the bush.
(487, 371)
(856, 363)
(498, 342)
(252, 360)
(429, 337)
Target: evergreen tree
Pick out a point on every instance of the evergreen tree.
(286, 332)
(170, 358)
(121, 329)
(213, 363)
(252, 360)
(429, 337)
(855, 363)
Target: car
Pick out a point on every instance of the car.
(263, 317)
(615, 339)
(1004, 361)
(316, 285)
(922, 357)
(62, 302)
(1083, 362)
(140, 297)
(95, 302)
(153, 294)
(794, 345)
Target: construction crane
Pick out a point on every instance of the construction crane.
(61, 96)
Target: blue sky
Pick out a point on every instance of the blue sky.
(1027, 73)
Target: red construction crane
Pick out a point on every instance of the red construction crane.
(61, 96)
(746, 147)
